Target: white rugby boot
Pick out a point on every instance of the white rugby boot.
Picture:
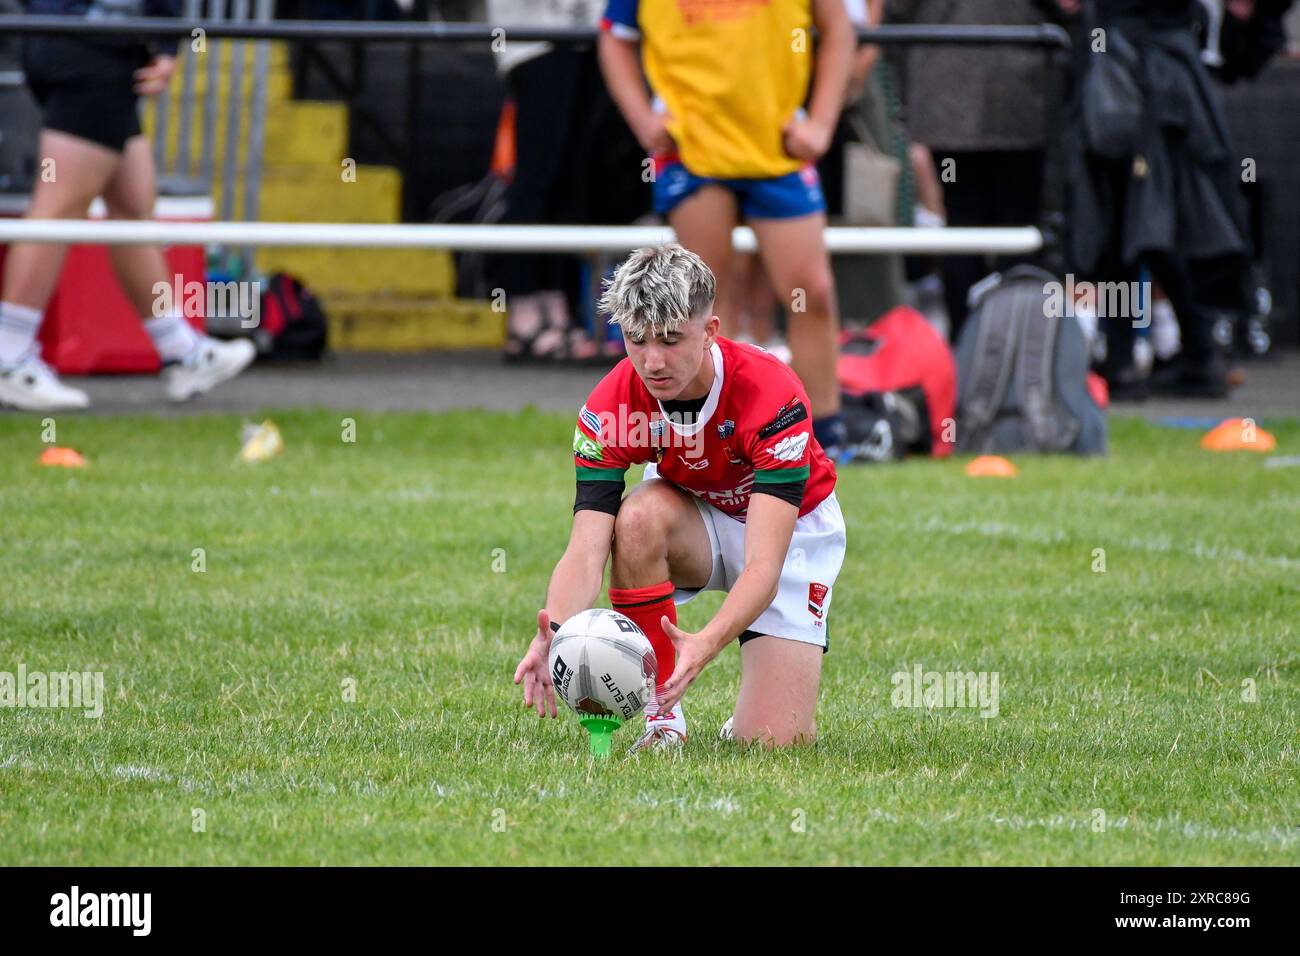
(661, 730)
(210, 363)
(726, 733)
(33, 386)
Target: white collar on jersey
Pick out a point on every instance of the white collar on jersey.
(710, 403)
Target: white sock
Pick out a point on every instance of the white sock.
(18, 327)
(172, 336)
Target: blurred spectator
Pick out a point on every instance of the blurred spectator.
(730, 139)
(553, 91)
(1155, 181)
(90, 146)
(867, 175)
(980, 110)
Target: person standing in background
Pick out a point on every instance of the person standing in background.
(726, 129)
(91, 144)
(569, 140)
(980, 111)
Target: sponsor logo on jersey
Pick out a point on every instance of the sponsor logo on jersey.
(732, 457)
(726, 428)
(730, 498)
(590, 419)
(817, 599)
(790, 413)
(698, 466)
(789, 448)
(586, 448)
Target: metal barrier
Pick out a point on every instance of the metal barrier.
(1052, 39)
(495, 238)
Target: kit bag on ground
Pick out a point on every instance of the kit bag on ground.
(898, 388)
(1022, 371)
(292, 324)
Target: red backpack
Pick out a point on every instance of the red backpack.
(293, 323)
(898, 384)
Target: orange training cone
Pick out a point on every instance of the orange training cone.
(62, 457)
(1238, 434)
(991, 466)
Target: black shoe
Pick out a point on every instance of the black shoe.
(1126, 384)
(1184, 379)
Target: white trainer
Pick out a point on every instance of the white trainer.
(34, 387)
(662, 731)
(211, 363)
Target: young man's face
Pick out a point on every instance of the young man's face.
(672, 365)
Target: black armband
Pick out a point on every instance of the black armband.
(788, 491)
(603, 496)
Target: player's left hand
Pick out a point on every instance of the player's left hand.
(806, 139)
(154, 78)
(693, 652)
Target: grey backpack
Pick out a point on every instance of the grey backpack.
(1022, 374)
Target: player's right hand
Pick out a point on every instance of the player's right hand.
(652, 133)
(533, 671)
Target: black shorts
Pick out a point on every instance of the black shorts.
(86, 89)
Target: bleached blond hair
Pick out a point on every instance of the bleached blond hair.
(657, 290)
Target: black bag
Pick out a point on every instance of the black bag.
(292, 324)
(1113, 101)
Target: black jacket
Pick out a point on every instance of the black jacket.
(1179, 191)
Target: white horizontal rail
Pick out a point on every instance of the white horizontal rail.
(490, 238)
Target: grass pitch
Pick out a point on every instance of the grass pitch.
(1148, 714)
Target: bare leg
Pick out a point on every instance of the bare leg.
(79, 171)
(660, 536)
(760, 304)
(799, 267)
(703, 224)
(130, 194)
(929, 192)
(752, 298)
(779, 680)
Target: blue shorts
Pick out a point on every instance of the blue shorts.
(780, 197)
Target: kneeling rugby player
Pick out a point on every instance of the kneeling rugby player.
(736, 496)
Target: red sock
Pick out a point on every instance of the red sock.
(645, 606)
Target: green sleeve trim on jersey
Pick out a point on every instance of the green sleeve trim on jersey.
(776, 475)
(603, 474)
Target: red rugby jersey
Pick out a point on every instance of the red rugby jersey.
(755, 427)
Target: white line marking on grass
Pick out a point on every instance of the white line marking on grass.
(997, 529)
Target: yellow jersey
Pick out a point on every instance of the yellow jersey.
(730, 74)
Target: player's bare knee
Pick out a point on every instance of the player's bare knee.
(640, 531)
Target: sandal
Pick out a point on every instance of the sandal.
(531, 334)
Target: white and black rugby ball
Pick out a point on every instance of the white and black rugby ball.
(602, 665)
